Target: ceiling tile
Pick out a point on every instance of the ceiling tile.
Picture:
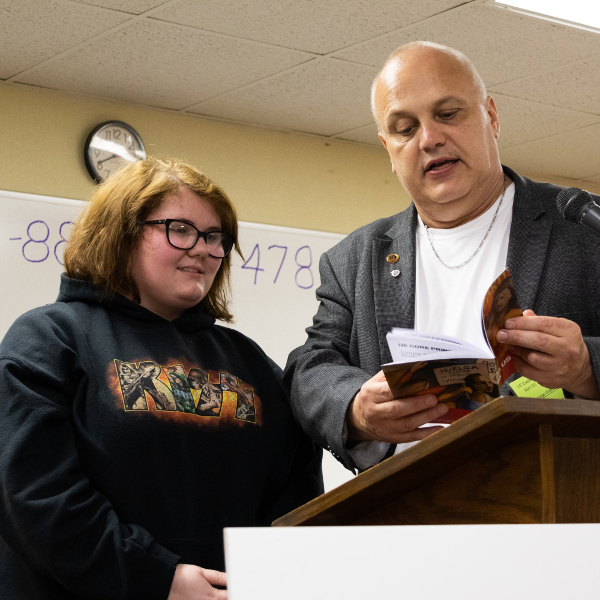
(324, 97)
(571, 155)
(163, 65)
(365, 135)
(524, 121)
(503, 45)
(315, 26)
(134, 7)
(575, 86)
(32, 31)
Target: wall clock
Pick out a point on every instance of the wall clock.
(110, 146)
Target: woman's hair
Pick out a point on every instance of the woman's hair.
(105, 238)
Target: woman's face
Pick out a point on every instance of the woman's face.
(502, 299)
(171, 280)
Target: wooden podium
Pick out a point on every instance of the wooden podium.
(515, 460)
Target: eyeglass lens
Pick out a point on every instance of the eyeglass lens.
(183, 235)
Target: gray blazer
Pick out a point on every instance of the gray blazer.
(555, 268)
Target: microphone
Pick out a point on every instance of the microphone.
(578, 206)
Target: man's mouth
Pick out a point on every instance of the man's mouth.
(440, 164)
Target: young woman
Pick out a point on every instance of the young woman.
(115, 479)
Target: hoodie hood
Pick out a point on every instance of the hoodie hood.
(77, 290)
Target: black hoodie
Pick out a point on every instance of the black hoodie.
(127, 443)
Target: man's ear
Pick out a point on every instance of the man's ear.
(385, 146)
(492, 112)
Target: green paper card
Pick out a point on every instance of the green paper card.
(526, 388)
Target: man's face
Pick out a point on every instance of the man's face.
(482, 385)
(502, 299)
(439, 133)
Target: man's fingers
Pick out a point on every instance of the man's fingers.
(410, 413)
(528, 339)
(410, 406)
(550, 325)
(414, 421)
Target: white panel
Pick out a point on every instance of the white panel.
(32, 31)
(572, 155)
(428, 562)
(324, 96)
(502, 45)
(575, 86)
(366, 135)
(164, 65)
(135, 7)
(316, 26)
(524, 121)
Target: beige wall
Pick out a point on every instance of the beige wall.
(277, 178)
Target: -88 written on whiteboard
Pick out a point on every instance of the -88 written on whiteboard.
(38, 244)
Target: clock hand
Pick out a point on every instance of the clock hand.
(106, 160)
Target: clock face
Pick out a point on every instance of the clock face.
(110, 146)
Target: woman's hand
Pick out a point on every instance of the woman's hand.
(195, 583)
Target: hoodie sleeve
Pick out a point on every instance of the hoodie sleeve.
(50, 515)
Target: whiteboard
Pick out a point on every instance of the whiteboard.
(273, 289)
(273, 298)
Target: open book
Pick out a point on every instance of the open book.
(457, 372)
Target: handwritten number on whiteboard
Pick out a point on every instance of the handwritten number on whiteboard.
(304, 267)
(61, 241)
(30, 253)
(257, 268)
(284, 248)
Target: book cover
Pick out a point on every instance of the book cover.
(457, 372)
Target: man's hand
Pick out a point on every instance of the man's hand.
(375, 415)
(552, 352)
(195, 583)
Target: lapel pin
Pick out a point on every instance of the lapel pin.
(392, 258)
(395, 273)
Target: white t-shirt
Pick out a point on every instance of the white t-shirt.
(449, 301)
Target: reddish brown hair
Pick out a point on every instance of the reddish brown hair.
(105, 237)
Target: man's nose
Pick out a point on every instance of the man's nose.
(431, 135)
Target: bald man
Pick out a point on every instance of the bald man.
(470, 218)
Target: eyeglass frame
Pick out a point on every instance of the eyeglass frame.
(200, 234)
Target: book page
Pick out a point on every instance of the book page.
(407, 345)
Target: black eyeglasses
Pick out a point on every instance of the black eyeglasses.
(184, 236)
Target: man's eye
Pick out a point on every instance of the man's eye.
(404, 129)
(447, 114)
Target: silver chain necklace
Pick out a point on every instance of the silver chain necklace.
(478, 247)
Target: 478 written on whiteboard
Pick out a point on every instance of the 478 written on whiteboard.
(273, 286)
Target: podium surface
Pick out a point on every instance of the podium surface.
(514, 460)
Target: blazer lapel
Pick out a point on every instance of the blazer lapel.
(395, 296)
(529, 239)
